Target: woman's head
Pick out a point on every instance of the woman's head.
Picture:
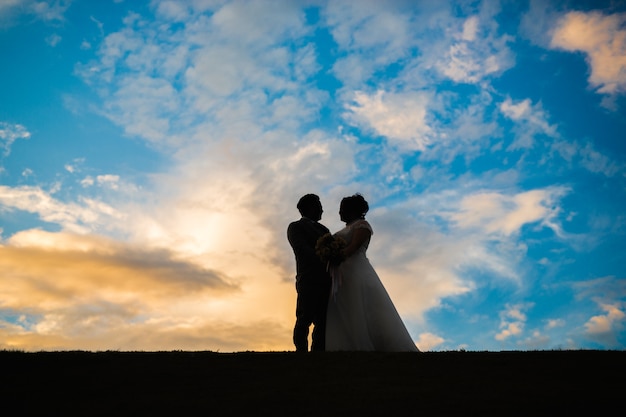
(353, 207)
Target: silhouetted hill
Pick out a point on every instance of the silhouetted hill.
(533, 383)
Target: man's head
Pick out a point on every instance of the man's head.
(310, 206)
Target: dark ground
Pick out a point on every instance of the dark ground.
(533, 383)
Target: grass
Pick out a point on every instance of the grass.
(529, 383)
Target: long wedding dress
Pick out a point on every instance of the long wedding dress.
(361, 315)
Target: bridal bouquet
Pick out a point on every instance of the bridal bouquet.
(329, 249)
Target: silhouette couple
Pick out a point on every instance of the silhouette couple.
(346, 304)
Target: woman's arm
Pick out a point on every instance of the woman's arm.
(359, 237)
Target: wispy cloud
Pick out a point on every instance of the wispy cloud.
(497, 213)
(365, 30)
(531, 120)
(9, 133)
(476, 51)
(53, 40)
(48, 11)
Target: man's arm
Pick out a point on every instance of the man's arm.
(302, 242)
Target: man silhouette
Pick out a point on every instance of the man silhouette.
(313, 282)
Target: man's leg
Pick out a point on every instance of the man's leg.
(319, 331)
(301, 335)
(304, 319)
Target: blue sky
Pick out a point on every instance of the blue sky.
(152, 153)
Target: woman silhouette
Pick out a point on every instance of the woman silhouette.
(361, 315)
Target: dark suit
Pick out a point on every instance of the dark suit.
(312, 284)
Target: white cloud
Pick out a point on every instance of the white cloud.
(399, 117)
(109, 181)
(609, 294)
(435, 262)
(587, 157)
(428, 341)
(374, 34)
(554, 323)
(9, 9)
(53, 40)
(265, 23)
(595, 161)
(405, 108)
(143, 105)
(468, 133)
(513, 321)
(428, 267)
(509, 330)
(501, 214)
(87, 181)
(601, 324)
(8, 4)
(476, 52)
(48, 11)
(537, 24)
(71, 216)
(236, 68)
(9, 133)
(369, 25)
(470, 29)
(603, 39)
(174, 10)
(75, 166)
(604, 328)
(531, 121)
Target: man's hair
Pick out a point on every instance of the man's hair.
(307, 202)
